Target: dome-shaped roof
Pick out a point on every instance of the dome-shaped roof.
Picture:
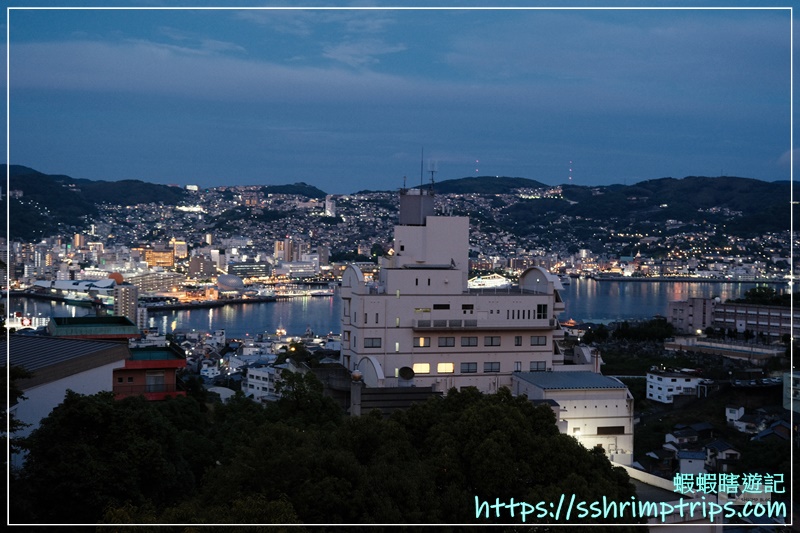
(229, 282)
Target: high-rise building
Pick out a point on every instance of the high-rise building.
(126, 301)
(419, 324)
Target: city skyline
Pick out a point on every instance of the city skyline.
(348, 99)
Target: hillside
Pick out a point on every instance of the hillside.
(746, 206)
(485, 185)
(54, 203)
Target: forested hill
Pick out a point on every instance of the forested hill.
(51, 203)
(486, 185)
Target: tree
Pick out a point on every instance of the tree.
(93, 452)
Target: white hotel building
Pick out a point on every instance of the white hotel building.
(419, 324)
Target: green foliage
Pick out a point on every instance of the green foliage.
(302, 189)
(9, 382)
(765, 295)
(598, 334)
(93, 452)
(296, 461)
(52, 201)
(656, 329)
(485, 185)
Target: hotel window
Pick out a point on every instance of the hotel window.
(469, 341)
(541, 311)
(491, 366)
(517, 366)
(376, 318)
(538, 366)
(422, 342)
(372, 342)
(447, 342)
(518, 340)
(442, 307)
(538, 340)
(421, 368)
(119, 380)
(445, 368)
(491, 341)
(469, 368)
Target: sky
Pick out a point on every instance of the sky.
(367, 98)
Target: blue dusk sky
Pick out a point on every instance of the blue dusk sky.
(347, 99)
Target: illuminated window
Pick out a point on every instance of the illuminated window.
(422, 368)
(422, 342)
(446, 368)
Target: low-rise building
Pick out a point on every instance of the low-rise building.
(595, 409)
(150, 372)
(663, 387)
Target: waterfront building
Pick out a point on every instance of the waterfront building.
(693, 315)
(100, 328)
(126, 301)
(773, 321)
(419, 324)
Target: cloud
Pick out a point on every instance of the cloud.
(360, 53)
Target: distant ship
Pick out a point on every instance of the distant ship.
(490, 281)
(321, 292)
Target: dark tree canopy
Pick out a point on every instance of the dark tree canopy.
(299, 460)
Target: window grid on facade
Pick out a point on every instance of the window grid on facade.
(491, 340)
(469, 368)
(372, 342)
(422, 342)
(491, 366)
(447, 342)
(469, 341)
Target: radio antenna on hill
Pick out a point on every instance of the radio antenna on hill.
(421, 165)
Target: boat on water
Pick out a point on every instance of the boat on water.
(320, 292)
(565, 280)
(73, 298)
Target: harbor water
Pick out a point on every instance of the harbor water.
(586, 300)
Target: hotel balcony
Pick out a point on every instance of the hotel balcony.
(475, 324)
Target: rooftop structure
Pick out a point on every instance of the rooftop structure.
(113, 328)
(150, 372)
